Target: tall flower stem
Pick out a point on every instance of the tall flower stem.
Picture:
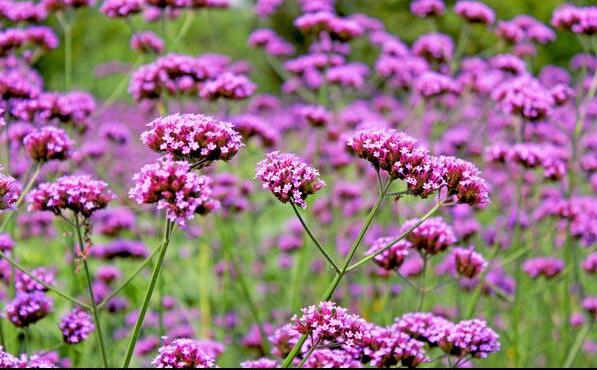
(149, 293)
(94, 310)
(423, 292)
(68, 50)
(314, 240)
(477, 293)
(338, 276)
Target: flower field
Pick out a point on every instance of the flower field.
(298, 183)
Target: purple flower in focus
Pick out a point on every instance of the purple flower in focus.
(76, 326)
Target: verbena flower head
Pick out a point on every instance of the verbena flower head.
(469, 263)
(463, 180)
(327, 321)
(184, 353)
(470, 337)
(288, 177)
(76, 326)
(147, 42)
(326, 358)
(582, 20)
(427, 8)
(195, 137)
(431, 84)
(524, 96)
(262, 363)
(24, 283)
(474, 12)
(28, 308)
(589, 304)
(435, 47)
(392, 257)
(120, 248)
(590, 263)
(9, 192)
(390, 347)
(175, 188)
(121, 8)
(80, 194)
(431, 237)
(283, 339)
(543, 266)
(6, 243)
(422, 326)
(228, 85)
(48, 143)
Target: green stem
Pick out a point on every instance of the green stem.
(477, 293)
(148, 294)
(314, 239)
(94, 310)
(338, 277)
(44, 284)
(580, 339)
(68, 52)
(130, 279)
(186, 26)
(423, 292)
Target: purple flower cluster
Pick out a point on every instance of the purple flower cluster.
(548, 267)
(120, 248)
(469, 263)
(288, 178)
(228, 85)
(48, 143)
(147, 42)
(173, 187)
(80, 194)
(431, 237)
(24, 283)
(577, 19)
(427, 8)
(121, 8)
(271, 43)
(327, 321)
(76, 326)
(9, 192)
(470, 337)
(474, 12)
(194, 137)
(28, 308)
(185, 353)
(391, 258)
(524, 96)
(73, 107)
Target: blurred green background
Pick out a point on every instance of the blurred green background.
(99, 40)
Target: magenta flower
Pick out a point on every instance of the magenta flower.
(435, 47)
(469, 263)
(390, 347)
(76, 326)
(228, 86)
(173, 187)
(431, 237)
(147, 43)
(422, 326)
(262, 363)
(327, 321)
(427, 8)
(24, 283)
(121, 8)
(474, 12)
(524, 96)
(543, 266)
(392, 258)
(184, 353)
(471, 337)
(48, 143)
(197, 138)
(80, 194)
(288, 178)
(28, 308)
(9, 192)
(463, 181)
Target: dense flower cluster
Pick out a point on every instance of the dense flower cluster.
(9, 192)
(327, 321)
(524, 96)
(431, 237)
(24, 283)
(28, 308)
(76, 326)
(147, 42)
(186, 353)
(173, 187)
(471, 337)
(194, 137)
(543, 266)
(468, 262)
(80, 194)
(288, 178)
(474, 12)
(48, 143)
